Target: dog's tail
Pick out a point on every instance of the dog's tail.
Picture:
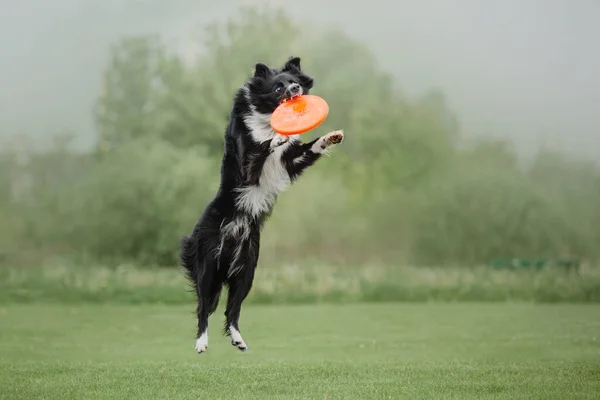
(188, 257)
(193, 263)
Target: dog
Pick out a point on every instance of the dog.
(257, 165)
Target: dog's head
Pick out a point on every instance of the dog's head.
(271, 86)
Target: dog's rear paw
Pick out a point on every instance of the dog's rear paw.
(236, 339)
(242, 346)
(202, 343)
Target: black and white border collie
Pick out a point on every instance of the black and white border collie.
(257, 165)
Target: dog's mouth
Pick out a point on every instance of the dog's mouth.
(292, 97)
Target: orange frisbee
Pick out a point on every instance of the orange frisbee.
(299, 115)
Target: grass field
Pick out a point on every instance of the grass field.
(378, 351)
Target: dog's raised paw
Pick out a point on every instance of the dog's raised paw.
(335, 137)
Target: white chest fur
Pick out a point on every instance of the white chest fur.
(274, 179)
(257, 199)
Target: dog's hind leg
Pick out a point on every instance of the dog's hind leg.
(240, 284)
(239, 287)
(214, 297)
(215, 291)
(205, 291)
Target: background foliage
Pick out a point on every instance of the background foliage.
(404, 188)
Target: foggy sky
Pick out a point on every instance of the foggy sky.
(523, 69)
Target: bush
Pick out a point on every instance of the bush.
(302, 283)
(135, 203)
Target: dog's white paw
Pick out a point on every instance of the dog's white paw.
(325, 141)
(334, 137)
(279, 140)
(237, 340)
(202, 343)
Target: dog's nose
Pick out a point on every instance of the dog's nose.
(294, 89)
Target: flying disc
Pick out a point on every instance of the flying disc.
(299, 115)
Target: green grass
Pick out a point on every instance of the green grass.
(377, 351)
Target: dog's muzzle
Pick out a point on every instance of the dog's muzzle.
(293, 90)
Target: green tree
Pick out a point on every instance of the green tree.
(127, 107)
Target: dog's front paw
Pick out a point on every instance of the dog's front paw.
(325, 141)
(334, 137)
(278, 141)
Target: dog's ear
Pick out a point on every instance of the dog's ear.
(292, 63)
(261, 70)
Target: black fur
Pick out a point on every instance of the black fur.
(224, 245)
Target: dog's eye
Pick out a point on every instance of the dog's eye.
(279, 89)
